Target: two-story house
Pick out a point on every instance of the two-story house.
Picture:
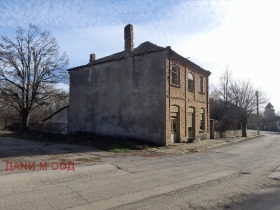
(149, 93)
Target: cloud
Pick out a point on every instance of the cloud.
(214, 34)
(84, 13)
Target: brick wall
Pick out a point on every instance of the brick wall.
(182, 97)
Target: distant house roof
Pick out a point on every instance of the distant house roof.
(144, 48)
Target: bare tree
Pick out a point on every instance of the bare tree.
(225, 82)
(243, 95)
(58, 100)
(29, 64)
(214, 93)
(222, 110)
(236, 102)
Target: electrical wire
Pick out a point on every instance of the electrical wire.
(70, 33)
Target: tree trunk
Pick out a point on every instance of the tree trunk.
(244, 126)
(24, 120)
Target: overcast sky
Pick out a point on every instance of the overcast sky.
(241, 34)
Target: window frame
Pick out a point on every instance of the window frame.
(175, 70)
(202, 119)
(191, 83)
(201, 84)
(190, 116)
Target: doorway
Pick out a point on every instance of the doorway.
(191, 123)
(174, 124)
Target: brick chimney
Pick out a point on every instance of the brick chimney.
(91, 58)
(128, 38)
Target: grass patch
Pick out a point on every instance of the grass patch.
(6, 133)
(118, 150)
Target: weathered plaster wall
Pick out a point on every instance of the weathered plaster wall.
(2, 125)
(124, 97)
(58, 123)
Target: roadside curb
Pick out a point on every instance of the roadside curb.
(217, 143)
(233, 142)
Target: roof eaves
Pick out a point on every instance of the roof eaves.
(188, 62)
(78, 68)
(55, 113)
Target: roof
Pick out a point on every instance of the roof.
(187, 62)
(55, 113)
(147, 47)
(144, 48)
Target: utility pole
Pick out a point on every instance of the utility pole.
(258, 121)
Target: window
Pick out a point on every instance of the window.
(173, 126)
(202, 119)
(175, 76)
(190, 116)
(174, 118)
(190, 81)
(201, 84)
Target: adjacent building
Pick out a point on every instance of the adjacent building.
(149, 93)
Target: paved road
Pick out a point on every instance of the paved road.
(238, 176)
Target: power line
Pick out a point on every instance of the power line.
(106, 46)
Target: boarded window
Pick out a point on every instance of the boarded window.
(174, 114)
(174, 109)
(190, 110)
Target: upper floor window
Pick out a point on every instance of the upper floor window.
(175, 75)
(201, 84)
(190, 81)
